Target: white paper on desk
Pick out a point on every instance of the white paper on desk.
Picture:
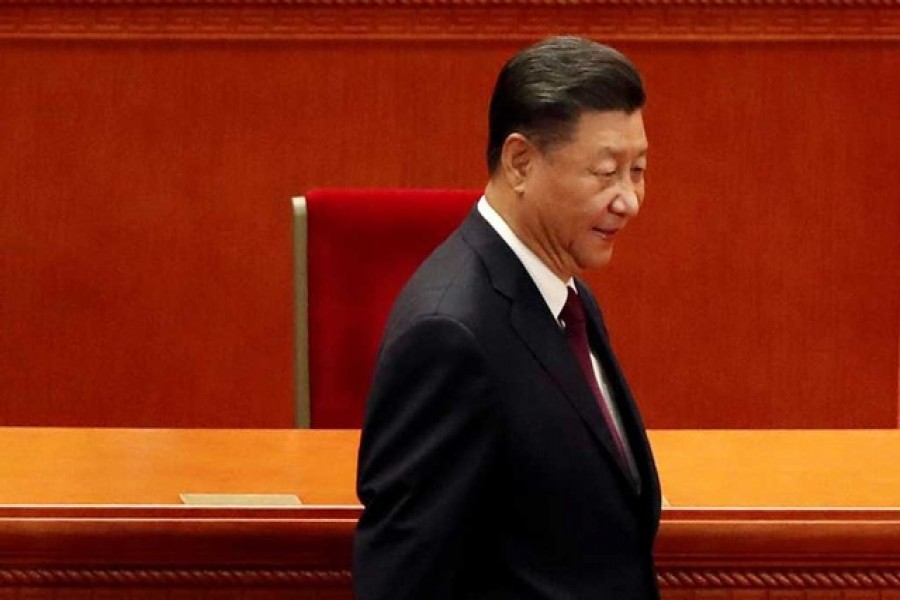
(240, 499)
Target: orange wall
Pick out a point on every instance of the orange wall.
(145, 177)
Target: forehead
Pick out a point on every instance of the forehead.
(609, 132)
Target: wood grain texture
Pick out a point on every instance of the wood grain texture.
(779, 468)
(119, 552)
(486, 21)
(804, 471)
(779, 544)
(145, 233)
(759, 287)
(154, 466)
(151, 150)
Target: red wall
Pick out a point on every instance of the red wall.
(146, 171)
(761, 284)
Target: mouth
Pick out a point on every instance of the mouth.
(606, 233)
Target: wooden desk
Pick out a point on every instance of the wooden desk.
(91, 513)
(780, 515)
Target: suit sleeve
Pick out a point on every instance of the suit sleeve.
(424, 457)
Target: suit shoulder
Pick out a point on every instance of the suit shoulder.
(447, 284)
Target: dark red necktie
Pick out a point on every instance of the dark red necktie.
(572, 316)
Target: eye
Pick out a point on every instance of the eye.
(605, 169)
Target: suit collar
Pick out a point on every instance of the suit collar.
(537, 327)
(504, 269)
(552, 289)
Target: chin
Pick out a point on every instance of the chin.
(597, 261)
(603, 257)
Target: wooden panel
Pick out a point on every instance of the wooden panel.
(760, 286)
(776, 547)
(151, 150)
(145, 231)
(803, 469)
(779, 468)
(154, 466)
(149, 553)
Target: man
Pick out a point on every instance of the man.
(502, 455)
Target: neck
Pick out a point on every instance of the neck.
(507, 204)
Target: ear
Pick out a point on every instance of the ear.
(516, 159)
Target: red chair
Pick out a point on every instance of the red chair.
(354, 250)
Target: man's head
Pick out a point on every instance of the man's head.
(567, 150)
(542, 90)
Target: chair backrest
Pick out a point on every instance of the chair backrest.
(354, 251)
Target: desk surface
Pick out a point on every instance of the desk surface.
(706, 469)
(155, 466)
(773, 468)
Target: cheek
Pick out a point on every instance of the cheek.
(587, 194)
(601, 200)
(639, 189)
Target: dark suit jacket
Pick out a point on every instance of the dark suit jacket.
(485, 466)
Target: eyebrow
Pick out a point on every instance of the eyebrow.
(619, 150)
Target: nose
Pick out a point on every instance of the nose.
(626, 203)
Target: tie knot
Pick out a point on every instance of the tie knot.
(573, 311)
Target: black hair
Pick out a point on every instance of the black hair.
(542, 91)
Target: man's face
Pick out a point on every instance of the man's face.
(578, 195)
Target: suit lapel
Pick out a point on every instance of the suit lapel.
(631, 418)
(548, 345)
(538, 329)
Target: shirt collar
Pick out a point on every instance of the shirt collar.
(549, 285)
